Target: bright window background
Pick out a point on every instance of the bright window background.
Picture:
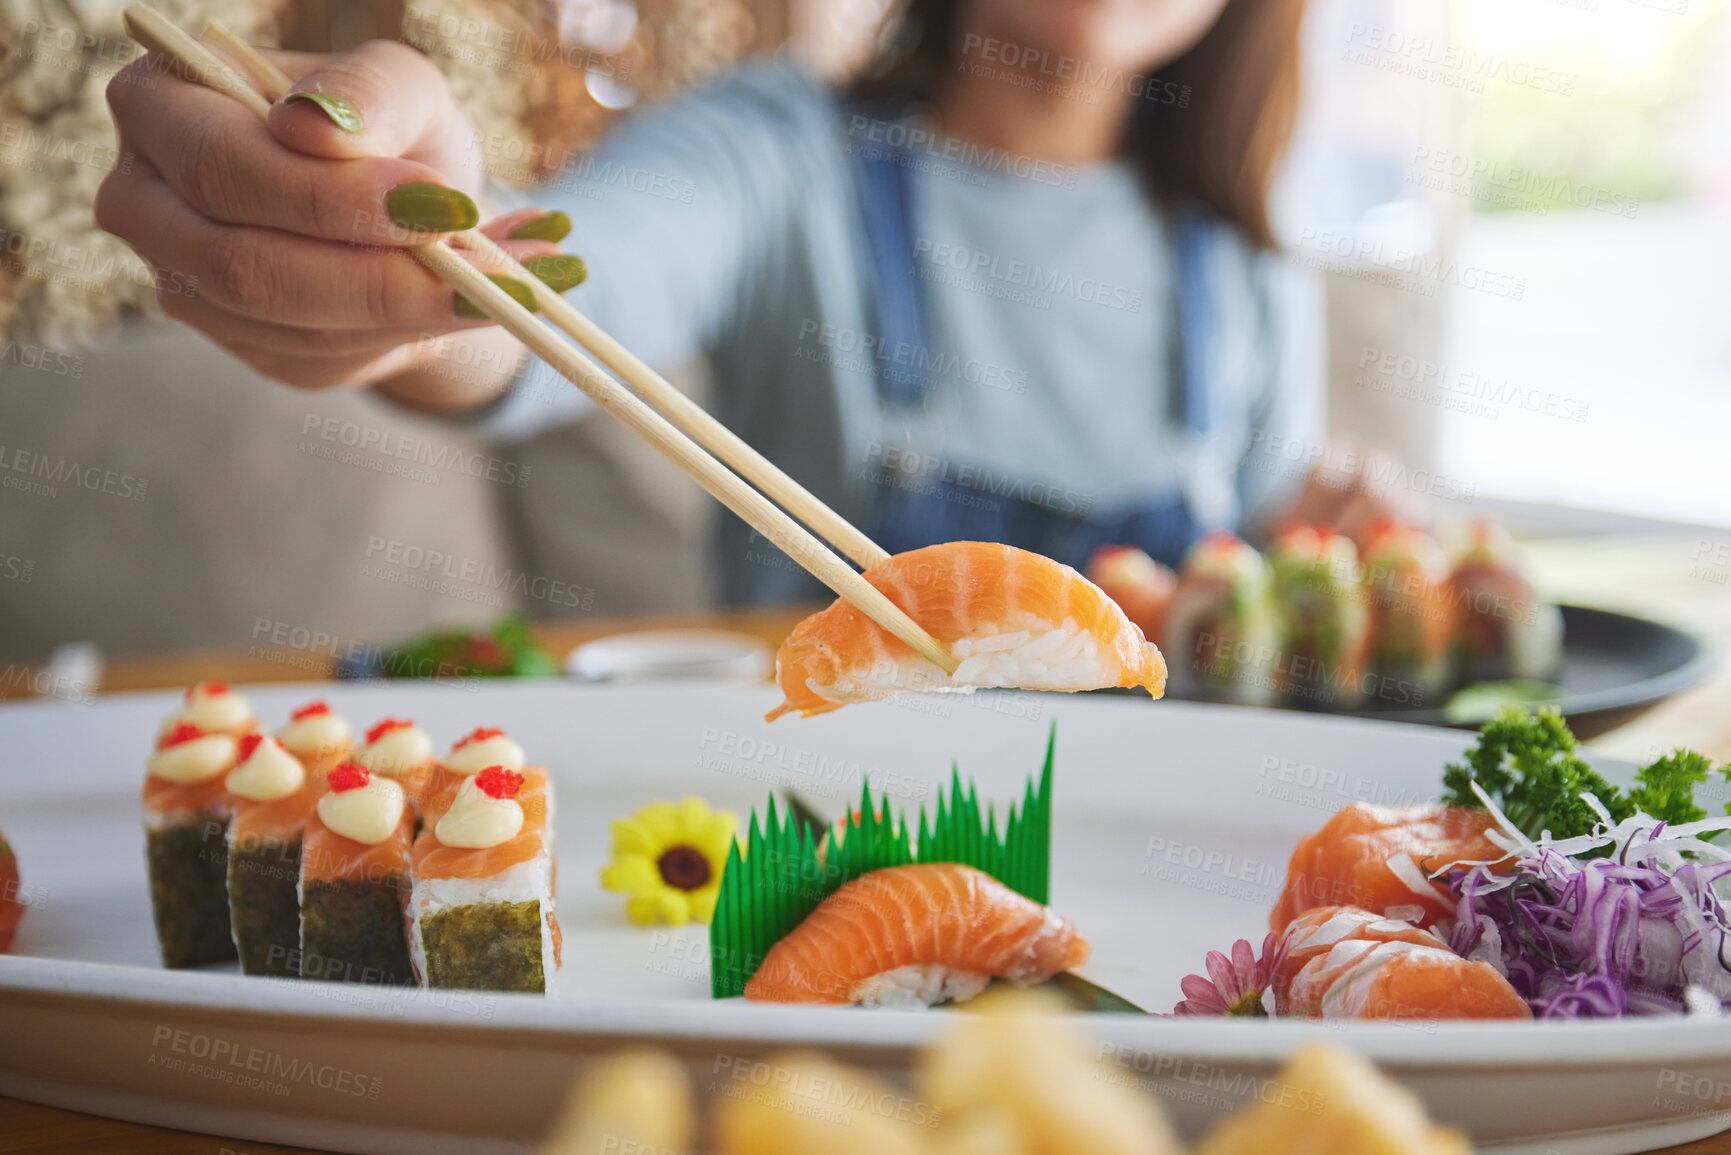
(1630, 314)
(1534, 107)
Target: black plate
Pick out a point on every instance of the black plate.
(1615, 668)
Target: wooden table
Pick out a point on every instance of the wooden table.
(1685, 579)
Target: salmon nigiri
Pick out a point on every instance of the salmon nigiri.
(1013, 618)
(1342, 962)
(1347, 860)
(913, 936)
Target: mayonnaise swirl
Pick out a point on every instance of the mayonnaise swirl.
(267, 774)
(219, 713)
(368, 814)
(474, 757)
(198, 760)
(316, 736)
(397, 751)
(476, 820)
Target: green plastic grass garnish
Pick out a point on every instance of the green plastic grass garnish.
(780, 878)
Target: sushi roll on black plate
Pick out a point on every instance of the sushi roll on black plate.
(1219, 639)
(1322, 621)
(1504, 629)
(1412, 621)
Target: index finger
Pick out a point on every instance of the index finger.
(226, 164)
(382, 99)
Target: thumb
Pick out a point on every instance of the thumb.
(382, 99)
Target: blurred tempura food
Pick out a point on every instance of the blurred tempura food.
(638, 1100)
(1011, 1077)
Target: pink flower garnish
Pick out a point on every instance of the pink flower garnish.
(1235, 985)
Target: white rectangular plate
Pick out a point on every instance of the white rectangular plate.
(1173, 823)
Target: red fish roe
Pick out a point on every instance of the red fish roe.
(247, 745)
(498, 782)
(348, 776)
(478, 734)
(179, 736)
(385, 727)
(309, 710)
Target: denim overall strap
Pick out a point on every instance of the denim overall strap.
(914, 510)
(1198, 320)
(898, 297)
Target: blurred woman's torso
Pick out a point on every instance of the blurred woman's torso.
(1048, 369)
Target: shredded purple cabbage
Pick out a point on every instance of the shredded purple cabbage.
(1601, 937)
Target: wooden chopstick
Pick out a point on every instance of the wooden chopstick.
(688, 414)
(151, 29)
(697, 421)
(271, 82)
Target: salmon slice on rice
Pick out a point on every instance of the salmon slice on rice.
(1012, 618)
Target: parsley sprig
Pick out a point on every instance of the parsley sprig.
(1528, 763)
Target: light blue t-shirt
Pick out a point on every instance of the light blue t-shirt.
(728, 224)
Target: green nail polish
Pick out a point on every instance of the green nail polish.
(520, 293)
(432, 208)
(553, 227)
(560, 273)
(345, 115)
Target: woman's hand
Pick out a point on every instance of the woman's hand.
(281, 240)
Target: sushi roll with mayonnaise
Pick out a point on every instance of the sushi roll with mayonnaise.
(1411, 619)
(320, 737)
(187, 811)
(481, 913)
(214, 708)
(479, 749)
(355, 880)
(398, 749)
(1503, 628)
(1323, 624)
(273, 795)
(1220, 625)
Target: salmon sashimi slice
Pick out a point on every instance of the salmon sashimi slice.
(1320, 929)
(278, 822)
(327, 856)
(916, 935)
(433, 859)
(1342, 962)
(1346, 862)
(1013, 618)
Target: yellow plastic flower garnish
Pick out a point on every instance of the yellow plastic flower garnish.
(668, 860)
